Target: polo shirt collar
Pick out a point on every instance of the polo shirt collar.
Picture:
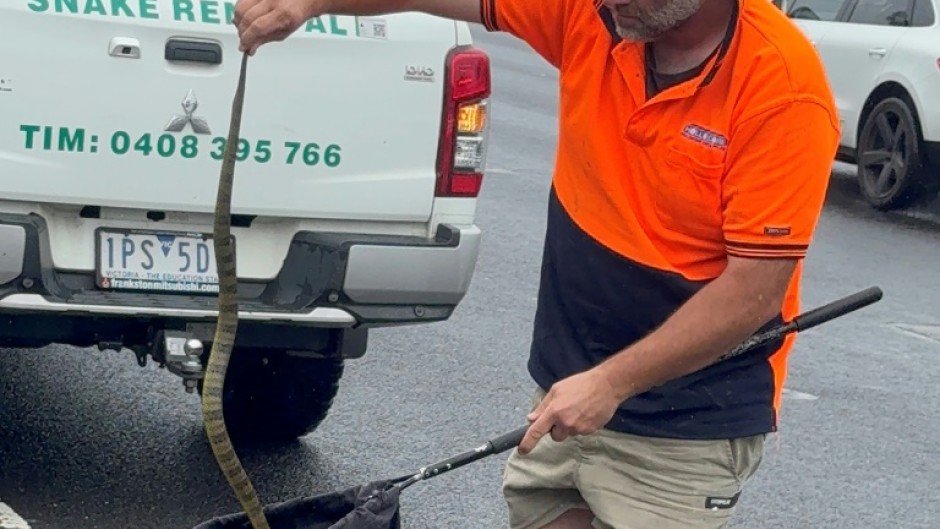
(635, 52)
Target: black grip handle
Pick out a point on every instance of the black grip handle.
(193, 51)
(508, 440)
(811, 318)
(496, 445)
(837, 308)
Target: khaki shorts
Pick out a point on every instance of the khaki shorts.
(630, 482)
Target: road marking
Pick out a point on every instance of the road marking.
(924, 332)
(798, 395)
(9, 519)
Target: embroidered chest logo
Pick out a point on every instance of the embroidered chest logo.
(702, 135)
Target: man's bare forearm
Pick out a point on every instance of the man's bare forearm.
(262, 21)
(465, 10)
(366, 7)
(720, 316)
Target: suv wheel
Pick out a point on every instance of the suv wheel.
(272, 397)
(891, 170)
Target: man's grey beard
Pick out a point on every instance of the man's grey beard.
(657, 22)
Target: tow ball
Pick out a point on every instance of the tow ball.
(182, 355)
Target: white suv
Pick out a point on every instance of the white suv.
(362, 156)
(883, 61)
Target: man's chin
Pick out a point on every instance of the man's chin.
(636, 34)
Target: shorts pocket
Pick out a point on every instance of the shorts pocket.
(685, 468)
(745, 455)
(664, 478)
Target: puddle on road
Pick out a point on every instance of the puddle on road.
(923, 332)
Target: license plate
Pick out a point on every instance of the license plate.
(156, 261)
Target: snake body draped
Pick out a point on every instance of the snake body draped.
(227, 324)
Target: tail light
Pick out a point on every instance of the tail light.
(462, 151)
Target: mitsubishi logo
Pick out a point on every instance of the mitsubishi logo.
(178, 123)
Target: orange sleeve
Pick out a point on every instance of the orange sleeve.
(543, 24)
(780, 163)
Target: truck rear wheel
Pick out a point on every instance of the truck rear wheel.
(271, 396)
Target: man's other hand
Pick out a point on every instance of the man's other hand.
(262, 21)
(578, 405)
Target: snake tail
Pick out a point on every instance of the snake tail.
(227, 325)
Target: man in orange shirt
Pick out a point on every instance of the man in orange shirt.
(695, 149)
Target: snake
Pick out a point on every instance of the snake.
(227, 323)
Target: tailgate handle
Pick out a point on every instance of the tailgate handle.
(193, 51)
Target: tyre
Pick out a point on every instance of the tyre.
(891, 162)
(271, 397)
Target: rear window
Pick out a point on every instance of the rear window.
(882, 13)
(825, 10)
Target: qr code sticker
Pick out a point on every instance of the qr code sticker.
(373, 28)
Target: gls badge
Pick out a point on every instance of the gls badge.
(419, 73)
(177, 123)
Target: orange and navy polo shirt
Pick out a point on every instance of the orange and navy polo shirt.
(657, 182)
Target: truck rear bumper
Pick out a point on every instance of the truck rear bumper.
(326, 280)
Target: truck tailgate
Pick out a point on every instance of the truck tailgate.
(341, 120)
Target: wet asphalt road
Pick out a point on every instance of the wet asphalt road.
(90, 440)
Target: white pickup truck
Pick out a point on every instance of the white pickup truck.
(361, 159)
